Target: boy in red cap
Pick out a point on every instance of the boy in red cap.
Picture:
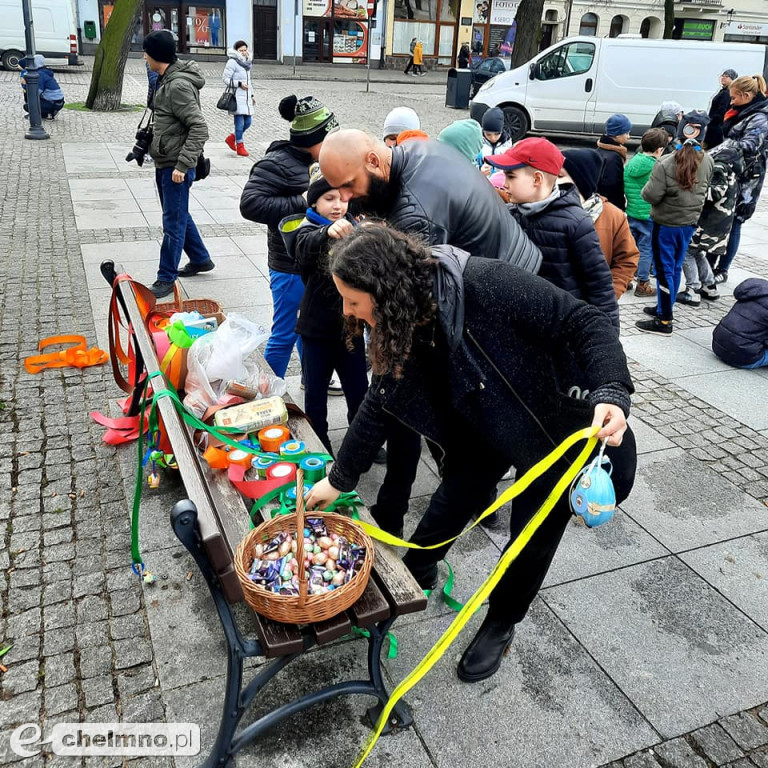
(553, 219)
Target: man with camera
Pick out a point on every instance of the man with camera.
(180, 132)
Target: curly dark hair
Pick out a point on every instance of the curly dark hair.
(396, 270)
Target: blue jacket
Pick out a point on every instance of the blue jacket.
(48, 86)
(741, 337)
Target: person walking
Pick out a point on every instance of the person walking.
(470, 353)
(676, 191)
(717, 109)
(237, 72)
(418, 59)
(275, 190)
(464, 56)
(409, 65)
(746, 123)
(180, 133)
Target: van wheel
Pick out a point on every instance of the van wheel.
(12, 59)
(516, 122)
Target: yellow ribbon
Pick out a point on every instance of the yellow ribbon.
(517, 546)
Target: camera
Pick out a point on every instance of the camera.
(141, 146)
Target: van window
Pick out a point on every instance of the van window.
(571, 59)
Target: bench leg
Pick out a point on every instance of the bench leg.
(400, 717)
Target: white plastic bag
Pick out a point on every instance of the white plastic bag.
(226, 355)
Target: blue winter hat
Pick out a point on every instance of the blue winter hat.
(493, 120)
(617, 125)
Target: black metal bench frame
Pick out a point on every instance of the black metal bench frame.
(210, 524)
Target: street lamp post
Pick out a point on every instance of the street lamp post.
(32, 79)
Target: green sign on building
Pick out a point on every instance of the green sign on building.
(694, 29)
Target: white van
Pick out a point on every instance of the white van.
(575, 85)
(55, 26)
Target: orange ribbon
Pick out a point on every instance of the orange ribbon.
(76, 356)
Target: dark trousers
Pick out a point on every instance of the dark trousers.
(734, 239)
(319, 359)
(179, 231)
(408, 66)
(463, 492)
(403, 454)
(669, 245)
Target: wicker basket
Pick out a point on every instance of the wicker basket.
(302, 608)
(206, 307)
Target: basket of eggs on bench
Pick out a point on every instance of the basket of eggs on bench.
(303, 568)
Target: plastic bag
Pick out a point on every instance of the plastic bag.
(227, 355)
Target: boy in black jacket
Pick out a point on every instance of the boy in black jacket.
(554, 220)
(308, 239)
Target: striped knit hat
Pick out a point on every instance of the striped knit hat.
(310, 120)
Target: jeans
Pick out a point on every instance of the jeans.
(641, 231)
(761, 363)
(242, 124)
(287, 290)
(318, 361)
(179, 231)
(670, 244)
(697, 270)
(733, 245)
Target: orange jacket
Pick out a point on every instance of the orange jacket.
(618, 246)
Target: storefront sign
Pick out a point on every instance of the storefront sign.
(697, 30)
(317, 7)
(503, 11)
(751, 30)
(481, 12)
(350, 9)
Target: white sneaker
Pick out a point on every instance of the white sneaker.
(334, 388)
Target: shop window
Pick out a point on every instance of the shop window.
(445, 48)
(588, 25)
(405, 31)
(349, 41)
(418, 10)
(449, 10)
(204, 28)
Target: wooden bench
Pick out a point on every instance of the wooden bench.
(210, 523)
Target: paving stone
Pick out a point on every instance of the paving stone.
(763, 715)
(59, 616)
(60, 641)
(136, 680)
(144, 708)
(93, 633)
(746, 729)
(23, 708)
(21, 678)
(641, 760)
(60, 699)
(760, 757)
(95, 661)
(677, 753)
(59, 669)
(716, 744)
(130, 653)
(98, 691)
(125, 601)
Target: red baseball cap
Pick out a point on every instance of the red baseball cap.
(537, 153)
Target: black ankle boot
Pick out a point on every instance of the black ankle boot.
(484, 654)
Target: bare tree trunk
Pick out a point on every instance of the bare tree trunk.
(669, 18)
(107, 79)
(528, 33)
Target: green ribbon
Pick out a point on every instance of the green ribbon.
(392, 650)
(447, 590)
(178, 335)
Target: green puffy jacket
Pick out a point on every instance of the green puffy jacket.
(180, 128)
(636, 174)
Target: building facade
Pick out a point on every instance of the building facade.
(341, 31)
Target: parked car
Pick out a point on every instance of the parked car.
(485, 70)
(575, 85)
(55, 28)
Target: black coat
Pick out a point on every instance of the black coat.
(517, 327)
(436, 193)
(321, 315)
(741, 337)
(572, 258)
(717, 109)
(611, 184)
(274, 191)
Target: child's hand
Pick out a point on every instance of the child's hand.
(486, 169)
(340, 228)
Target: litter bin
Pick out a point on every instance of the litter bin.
(89, 29)
(458, 87)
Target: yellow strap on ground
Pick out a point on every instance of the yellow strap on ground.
(517, 546)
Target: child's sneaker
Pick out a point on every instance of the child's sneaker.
(721, 276)
(644, 288)
(689, 297)
(709, 292)
(656, 326)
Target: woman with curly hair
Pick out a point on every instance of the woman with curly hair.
(476, 355)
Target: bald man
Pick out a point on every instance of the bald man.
(426, 188)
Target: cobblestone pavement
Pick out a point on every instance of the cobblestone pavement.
(683, 570)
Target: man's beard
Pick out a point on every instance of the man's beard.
(379, 197)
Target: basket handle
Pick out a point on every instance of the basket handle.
(300, 536)
(177, 297)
